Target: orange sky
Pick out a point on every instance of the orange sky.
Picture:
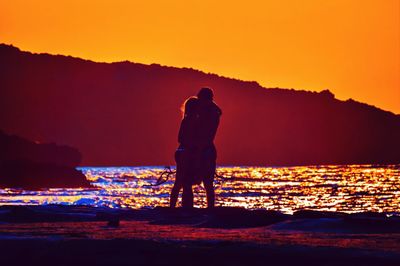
(351, 47)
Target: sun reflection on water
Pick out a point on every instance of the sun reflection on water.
(351, 188)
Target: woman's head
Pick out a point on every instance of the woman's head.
(190, 106)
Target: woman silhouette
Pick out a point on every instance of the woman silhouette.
(187, 155)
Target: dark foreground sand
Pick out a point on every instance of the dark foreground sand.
(63, 235)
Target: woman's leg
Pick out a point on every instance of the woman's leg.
(174, 194)
(178, 180)
(187, 178)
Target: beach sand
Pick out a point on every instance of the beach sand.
(72, 235)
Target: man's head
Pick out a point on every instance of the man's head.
(205, 94)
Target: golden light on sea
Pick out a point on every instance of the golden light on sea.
(354, 188)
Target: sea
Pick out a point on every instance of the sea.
(338, 188)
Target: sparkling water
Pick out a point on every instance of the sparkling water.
(349, 188)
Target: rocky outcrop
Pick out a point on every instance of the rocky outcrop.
(30, 165)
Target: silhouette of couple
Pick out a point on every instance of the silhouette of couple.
(196, 155)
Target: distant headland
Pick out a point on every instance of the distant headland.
(128, 114)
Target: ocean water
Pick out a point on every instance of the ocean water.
(347, 188)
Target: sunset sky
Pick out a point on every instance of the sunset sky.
(351, 47)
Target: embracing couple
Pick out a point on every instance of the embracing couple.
(196, 155)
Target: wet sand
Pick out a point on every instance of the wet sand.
(67, 235)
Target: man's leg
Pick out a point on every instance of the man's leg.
(209, 187)
(209, 168)
(187, 196)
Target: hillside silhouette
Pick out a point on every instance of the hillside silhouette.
(128, 114)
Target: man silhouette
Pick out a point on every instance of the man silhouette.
(208, 120)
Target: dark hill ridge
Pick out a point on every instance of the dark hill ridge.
(128, 114)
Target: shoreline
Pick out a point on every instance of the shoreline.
(82, 235)
(152, 252)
